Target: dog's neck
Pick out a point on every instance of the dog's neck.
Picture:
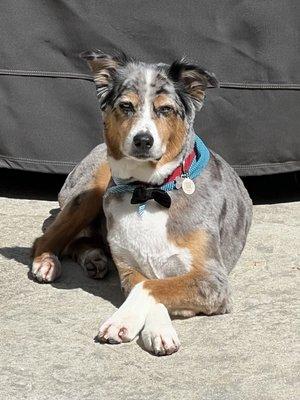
(135, 170)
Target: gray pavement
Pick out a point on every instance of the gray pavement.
(47, 349)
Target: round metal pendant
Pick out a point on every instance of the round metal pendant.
(188, 186)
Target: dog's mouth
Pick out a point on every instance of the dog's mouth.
(143, 157)
(152, 154)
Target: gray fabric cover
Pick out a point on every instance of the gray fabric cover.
(49, 116)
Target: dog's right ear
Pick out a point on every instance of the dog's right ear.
(104, 68)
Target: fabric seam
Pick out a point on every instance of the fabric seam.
(243, 166)
(74, 75)
(31, 160)
(34, 160)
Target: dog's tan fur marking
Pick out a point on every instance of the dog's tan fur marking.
(129, 277)
(102, 177)
(132, 97)
(117, 127)
(75, 216)
(196, 242)
(162, 100)
(172, 130)
(182, 292)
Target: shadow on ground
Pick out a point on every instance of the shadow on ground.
(72, 276)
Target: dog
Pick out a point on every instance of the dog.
(172, 214)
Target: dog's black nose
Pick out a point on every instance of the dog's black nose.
(143, 141)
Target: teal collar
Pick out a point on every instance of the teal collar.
(197, 166)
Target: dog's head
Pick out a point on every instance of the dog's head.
(147, 108)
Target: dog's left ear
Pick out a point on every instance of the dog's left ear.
(104, 68)
(193, 80)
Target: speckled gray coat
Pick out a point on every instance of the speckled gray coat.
(220, 205)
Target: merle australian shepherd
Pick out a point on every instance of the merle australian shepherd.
(171, 214)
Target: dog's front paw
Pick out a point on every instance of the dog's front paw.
(159, 336)
(121, 327)
(129, 319)
(46, 268)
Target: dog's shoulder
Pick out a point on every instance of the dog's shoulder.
(82, 174)
(220, 206)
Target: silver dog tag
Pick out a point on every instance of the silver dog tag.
(188, 186)
(179, 181)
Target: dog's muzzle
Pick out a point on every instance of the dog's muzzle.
(141, 145)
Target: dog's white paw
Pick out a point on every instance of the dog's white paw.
(46, 268)
(129, 319)
(159, 336)
(95, 263)
(122, 326)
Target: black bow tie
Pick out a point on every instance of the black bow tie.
(141, 194)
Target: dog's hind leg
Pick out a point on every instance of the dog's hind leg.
(89, 252)
(74, 217)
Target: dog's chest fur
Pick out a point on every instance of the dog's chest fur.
(142, 241)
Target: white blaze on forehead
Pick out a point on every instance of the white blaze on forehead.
(145, 122)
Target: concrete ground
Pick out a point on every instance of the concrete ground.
(47, 349)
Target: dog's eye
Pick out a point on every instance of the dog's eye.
(127, 107)
(164, 110)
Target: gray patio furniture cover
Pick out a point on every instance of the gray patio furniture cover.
(49, 115)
